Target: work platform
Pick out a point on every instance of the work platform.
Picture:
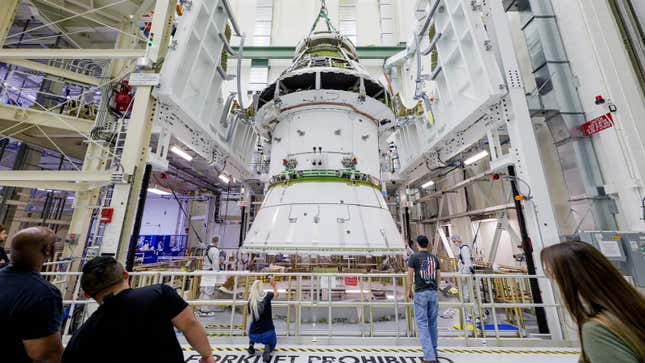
(395, 354)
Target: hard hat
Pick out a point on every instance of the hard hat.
(455, 238)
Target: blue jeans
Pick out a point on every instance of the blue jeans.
(268, 338)
(426, 309)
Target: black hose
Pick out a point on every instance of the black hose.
(527, 247)
(136, 229)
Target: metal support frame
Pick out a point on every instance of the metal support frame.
(502, 226)
(26, 53)
(90, 12)
(311, 292)
(55, 179)
(7, 15)
(538, 212)
(438, 233)
(26, 116)
(8, 192)
(159, 158)
(54, 71)
(96, 159)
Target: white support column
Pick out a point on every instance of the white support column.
(133, 160)
(539, 213)
(135, 152)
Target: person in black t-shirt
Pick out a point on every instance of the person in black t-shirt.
(30, 307)
(262, 330)
(133, 325)
(423, 278)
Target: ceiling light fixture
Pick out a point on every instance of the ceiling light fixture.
(158, 191)
(475, 158)
(428, 184)
(175, 149)
(224, 178)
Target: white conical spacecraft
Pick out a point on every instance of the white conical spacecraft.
(322, 118)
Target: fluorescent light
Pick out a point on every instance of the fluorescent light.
(157, 191)
(475, 158)
(224, 178)
(181, 153)
(428, 184)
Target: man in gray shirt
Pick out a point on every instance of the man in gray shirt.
(423, 278)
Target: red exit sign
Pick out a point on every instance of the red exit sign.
(598, 124)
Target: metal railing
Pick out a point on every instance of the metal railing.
(342, 304)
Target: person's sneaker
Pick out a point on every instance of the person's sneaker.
(428, 361)
(266, 355)
(251, 350)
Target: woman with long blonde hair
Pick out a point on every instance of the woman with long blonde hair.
(609, 312)
(262, 330)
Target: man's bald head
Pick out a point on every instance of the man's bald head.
(31, 247)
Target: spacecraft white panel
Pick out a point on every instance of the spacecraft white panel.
(335, 133)
(468, 80)
(328, 218)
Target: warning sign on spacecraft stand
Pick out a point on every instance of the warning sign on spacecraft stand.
(598, 124)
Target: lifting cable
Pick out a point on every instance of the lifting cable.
(323, 14)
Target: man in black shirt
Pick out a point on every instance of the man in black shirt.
(423, 278)
(30, 307)
(133, 325)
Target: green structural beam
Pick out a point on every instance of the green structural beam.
(277, 52)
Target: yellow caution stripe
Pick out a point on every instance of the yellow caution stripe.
(396, 350)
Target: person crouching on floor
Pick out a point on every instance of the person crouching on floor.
(262, 330)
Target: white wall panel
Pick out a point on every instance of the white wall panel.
(600, 63)
(161, 215)
(293, 20)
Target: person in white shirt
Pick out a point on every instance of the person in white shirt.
(211, 256)
(208, 283)
(464, 265)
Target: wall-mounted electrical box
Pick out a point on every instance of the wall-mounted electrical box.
(626, 250)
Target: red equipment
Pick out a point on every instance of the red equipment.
(123, 98)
